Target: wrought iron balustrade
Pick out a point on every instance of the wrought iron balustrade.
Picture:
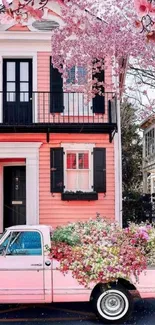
(40, 107)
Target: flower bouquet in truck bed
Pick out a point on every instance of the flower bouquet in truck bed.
(100, 251)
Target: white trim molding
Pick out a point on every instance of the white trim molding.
(117, 154)
(78, 146)
(30, 152)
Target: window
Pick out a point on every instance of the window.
(76, 103)
(150, 143)
(10, 81)
(78, 167)
(24, 243)
(78, 170)
(76, 75)
(4, 244)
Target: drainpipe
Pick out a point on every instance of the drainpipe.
(118, 160)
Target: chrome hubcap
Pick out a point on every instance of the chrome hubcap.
(112, 304)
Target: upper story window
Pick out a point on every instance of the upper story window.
(76, 76)
(150, 143)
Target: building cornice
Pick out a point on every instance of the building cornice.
(18, 35)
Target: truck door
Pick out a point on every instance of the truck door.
(22, 267)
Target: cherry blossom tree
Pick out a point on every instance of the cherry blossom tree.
(140, 87)
(93, 30)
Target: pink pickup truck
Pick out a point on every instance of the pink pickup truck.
(27, 275)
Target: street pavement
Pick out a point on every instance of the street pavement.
(69, 314)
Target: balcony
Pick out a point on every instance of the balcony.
(58, 112)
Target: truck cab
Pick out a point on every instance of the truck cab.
(25, 267)
(27, 274)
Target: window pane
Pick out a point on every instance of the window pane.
(146, 153)
(10, 75)
(11, 96)
(24, 95)
(24, 71)
(83, 161)
(83, 180)
(71, 160)
(10, 86)
(4, 244)
(71, 76)
(25, 243)
(72, 180)
(81, 74)
(24, 86)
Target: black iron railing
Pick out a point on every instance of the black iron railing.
(37, 107)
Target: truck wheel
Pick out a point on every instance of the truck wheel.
(114, 305)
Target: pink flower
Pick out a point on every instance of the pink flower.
(5, 18)
(138, 23)
(36, 13)
(142, 6)
(15, 4)
(142, 234)
(5, 3)
(151, 36)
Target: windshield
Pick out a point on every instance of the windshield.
(4, 244)
(3, 234)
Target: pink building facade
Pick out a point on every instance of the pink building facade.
(59, 154)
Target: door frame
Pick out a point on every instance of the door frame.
(30, 152)
(18, 103)
(11, 164)
(23, 55)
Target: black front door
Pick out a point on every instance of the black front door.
(17, 91)
(14, 195)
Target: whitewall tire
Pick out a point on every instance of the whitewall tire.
(114, 305)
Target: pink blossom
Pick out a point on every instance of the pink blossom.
(36, 13)
(5, 18)
(5, 3)
(142, 6)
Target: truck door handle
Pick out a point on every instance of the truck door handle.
(36, 264)
(47, 263)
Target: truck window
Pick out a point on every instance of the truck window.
(25, 243)
(4, 244)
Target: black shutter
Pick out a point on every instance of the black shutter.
(100, 170)
(99, 101)
(112, 110)
(57, 170)
(56, 90)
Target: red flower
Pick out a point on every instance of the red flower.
(151, 36)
